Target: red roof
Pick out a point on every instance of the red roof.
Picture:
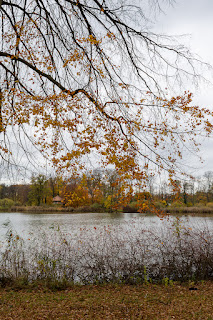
(57, 199)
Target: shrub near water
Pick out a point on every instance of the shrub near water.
(123, 254)
(6, 203)
(209, 204)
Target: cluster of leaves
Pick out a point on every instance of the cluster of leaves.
(71, 85)
(101, 189)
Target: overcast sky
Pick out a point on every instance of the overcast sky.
(194, 18)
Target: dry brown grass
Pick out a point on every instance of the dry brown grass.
(41, 209)
(189, 210)
(110, 302)
(47, 209)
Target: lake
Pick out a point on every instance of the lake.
(91, 247)
(25, 223)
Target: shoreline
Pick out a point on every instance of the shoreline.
(88, 209)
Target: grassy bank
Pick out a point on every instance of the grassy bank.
(110, 302)
(189, 210)
(126, 272)
(91, 209)
(43, 209)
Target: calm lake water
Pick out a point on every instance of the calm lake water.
(104, 246)
(25, 223)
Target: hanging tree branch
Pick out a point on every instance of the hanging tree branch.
(90, 77)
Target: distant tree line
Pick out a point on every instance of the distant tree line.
(103, 190)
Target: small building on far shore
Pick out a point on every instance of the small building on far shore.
(57, 200)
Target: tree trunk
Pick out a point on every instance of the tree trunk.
(1, 102)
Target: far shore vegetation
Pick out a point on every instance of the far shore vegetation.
(91, 209)
(102, 191)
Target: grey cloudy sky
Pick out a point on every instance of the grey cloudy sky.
(194, 18)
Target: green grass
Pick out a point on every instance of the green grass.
(109, 302)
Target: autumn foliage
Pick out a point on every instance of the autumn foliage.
(66, 93)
